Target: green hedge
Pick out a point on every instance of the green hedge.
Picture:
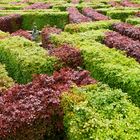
(121, 14)
(3, 35)
(98, 112)
(110, 66)
(13, 6)
(5, 80)
(82, 27)
(24, 58)
(133, 20)
(41, 18)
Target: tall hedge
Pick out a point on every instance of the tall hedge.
(98, 112)
(40, 18)
(24, 58)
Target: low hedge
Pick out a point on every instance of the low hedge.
(82, 27)
(90, 35)
(99, 112)
(5, 80)
(121, 14)
(133, 20)
(107, 65)
(24, 58)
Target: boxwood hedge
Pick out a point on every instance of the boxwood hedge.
(24, 58)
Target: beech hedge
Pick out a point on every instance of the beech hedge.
(99, 112)
(24, 58)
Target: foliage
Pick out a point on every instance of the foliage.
(68, 55)
(75, 16)
(116, 40)
(98, 112)
(93, 14)
(24, 58)
(3, 35)
(128, 30)
(10, 23)
(33, 111)
(121, 14)
(107, 65)
(5, 80)
(45, 35)
(82, 27)
(22, 33)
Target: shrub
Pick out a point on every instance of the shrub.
(121, 14)
(24, 58)
(93, 14)
(116, 40)
(107, 65)
(22, 33)
(68, 55)
(4, 35)
(128, 30)
(98, 112)
(58, 19)
(10, 23)
(38, 5)
(82, 27)
(75, 16)
(5, 80)
(133, 20)
(33, 111)
(127, 3)
(45, 34)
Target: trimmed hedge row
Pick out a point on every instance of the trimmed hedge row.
(133, 20)
(24, 58)
(99, 112)
(10, 23)
(107, 65)
(5, 80)
(82, 27)
(121, 14)
(41, 18)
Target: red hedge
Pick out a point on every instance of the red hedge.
(128, 30)
(10, 23)
(68, 55)
(75, 16)
(32, 111)
(45, 34)
(38, 5)
(23, 34)
(116, 40)
(93, 14)
(128, 3)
